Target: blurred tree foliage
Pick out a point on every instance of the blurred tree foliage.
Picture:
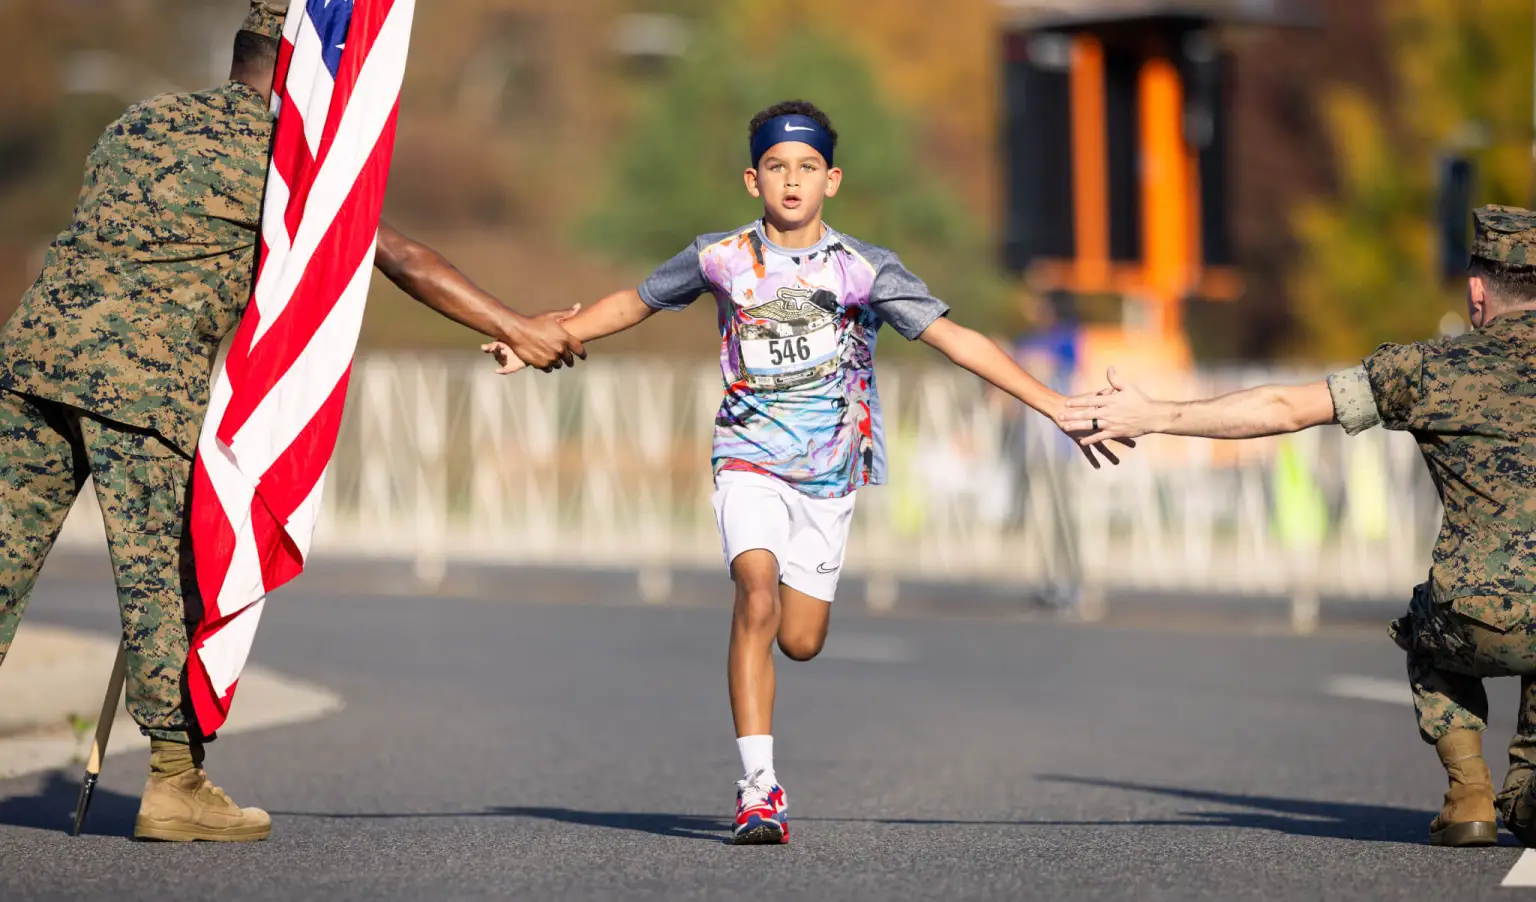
(939, 62)
(1462, 76)
(678, 171)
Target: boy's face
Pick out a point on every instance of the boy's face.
(793, 181)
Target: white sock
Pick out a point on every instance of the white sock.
(757, 755)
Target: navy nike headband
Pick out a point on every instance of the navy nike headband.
(793, 127)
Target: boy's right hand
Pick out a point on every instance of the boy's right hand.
(540, 342)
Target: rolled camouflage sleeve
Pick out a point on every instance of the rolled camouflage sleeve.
(1396, 374)
(1353, 404)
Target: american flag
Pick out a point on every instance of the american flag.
(277, 401)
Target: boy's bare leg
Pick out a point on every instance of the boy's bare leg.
(754, 625)
(765, 611)
(803, 623)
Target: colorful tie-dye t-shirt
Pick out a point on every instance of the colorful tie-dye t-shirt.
(797, 329)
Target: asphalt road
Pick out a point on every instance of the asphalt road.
(532, 750)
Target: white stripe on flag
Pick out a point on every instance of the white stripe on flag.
(274, 230)
(225, 651)
(310, 84)
(243, 584)
(235, 492)
(368, 111)
(291, 24)
(301, 526)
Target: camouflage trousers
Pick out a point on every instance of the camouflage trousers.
(46, 452)
(1449, 653)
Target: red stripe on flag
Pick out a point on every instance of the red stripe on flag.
(294, 473)
(291, 157)
(280, 558)
(284, 61)
(206, 707)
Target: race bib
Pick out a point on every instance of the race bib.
(791, 354)
(791, 340)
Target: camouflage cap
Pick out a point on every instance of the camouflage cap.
(1504, 235)
(266, 18)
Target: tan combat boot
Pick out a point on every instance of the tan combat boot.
(181, 805)
(1468, 818)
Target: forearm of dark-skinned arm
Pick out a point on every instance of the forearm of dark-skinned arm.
(429, 278)
(973, 351)
(1251, 413)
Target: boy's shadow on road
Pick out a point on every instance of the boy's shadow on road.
(1293, 817)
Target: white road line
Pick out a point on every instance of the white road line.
(1371, 689)
(1524, 871)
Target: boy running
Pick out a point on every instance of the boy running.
(799, 431)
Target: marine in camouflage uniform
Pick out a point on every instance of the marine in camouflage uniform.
(104, 366)
(1470, 402)
(104, 373)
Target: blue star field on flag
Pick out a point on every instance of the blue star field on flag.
(331, 19)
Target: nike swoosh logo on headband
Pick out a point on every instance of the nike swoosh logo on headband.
(798, 128)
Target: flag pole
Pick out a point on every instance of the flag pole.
(103, 733)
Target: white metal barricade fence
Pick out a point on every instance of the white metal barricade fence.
(608, 465)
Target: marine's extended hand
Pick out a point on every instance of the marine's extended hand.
(542, 342)
(1118, 413)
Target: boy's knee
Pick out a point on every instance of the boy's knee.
(757, 609)
(801, 647)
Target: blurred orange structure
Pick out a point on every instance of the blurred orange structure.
(1116, 135)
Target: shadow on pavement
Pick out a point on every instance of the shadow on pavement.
(686, 826)
(1297, 817)
(1294, 817)
(52, 807)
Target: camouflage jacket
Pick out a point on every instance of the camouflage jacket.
(137, 293)
(1470, 402)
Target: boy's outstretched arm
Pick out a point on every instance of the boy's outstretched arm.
(973, 351)
(428, 277)
(614, 313)
(1127, 412)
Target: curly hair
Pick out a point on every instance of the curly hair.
(793, 108)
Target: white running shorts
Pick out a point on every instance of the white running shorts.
(808, 535)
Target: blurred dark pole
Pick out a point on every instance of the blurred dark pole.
(1454, 214)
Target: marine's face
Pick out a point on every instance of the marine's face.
(793, 181)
